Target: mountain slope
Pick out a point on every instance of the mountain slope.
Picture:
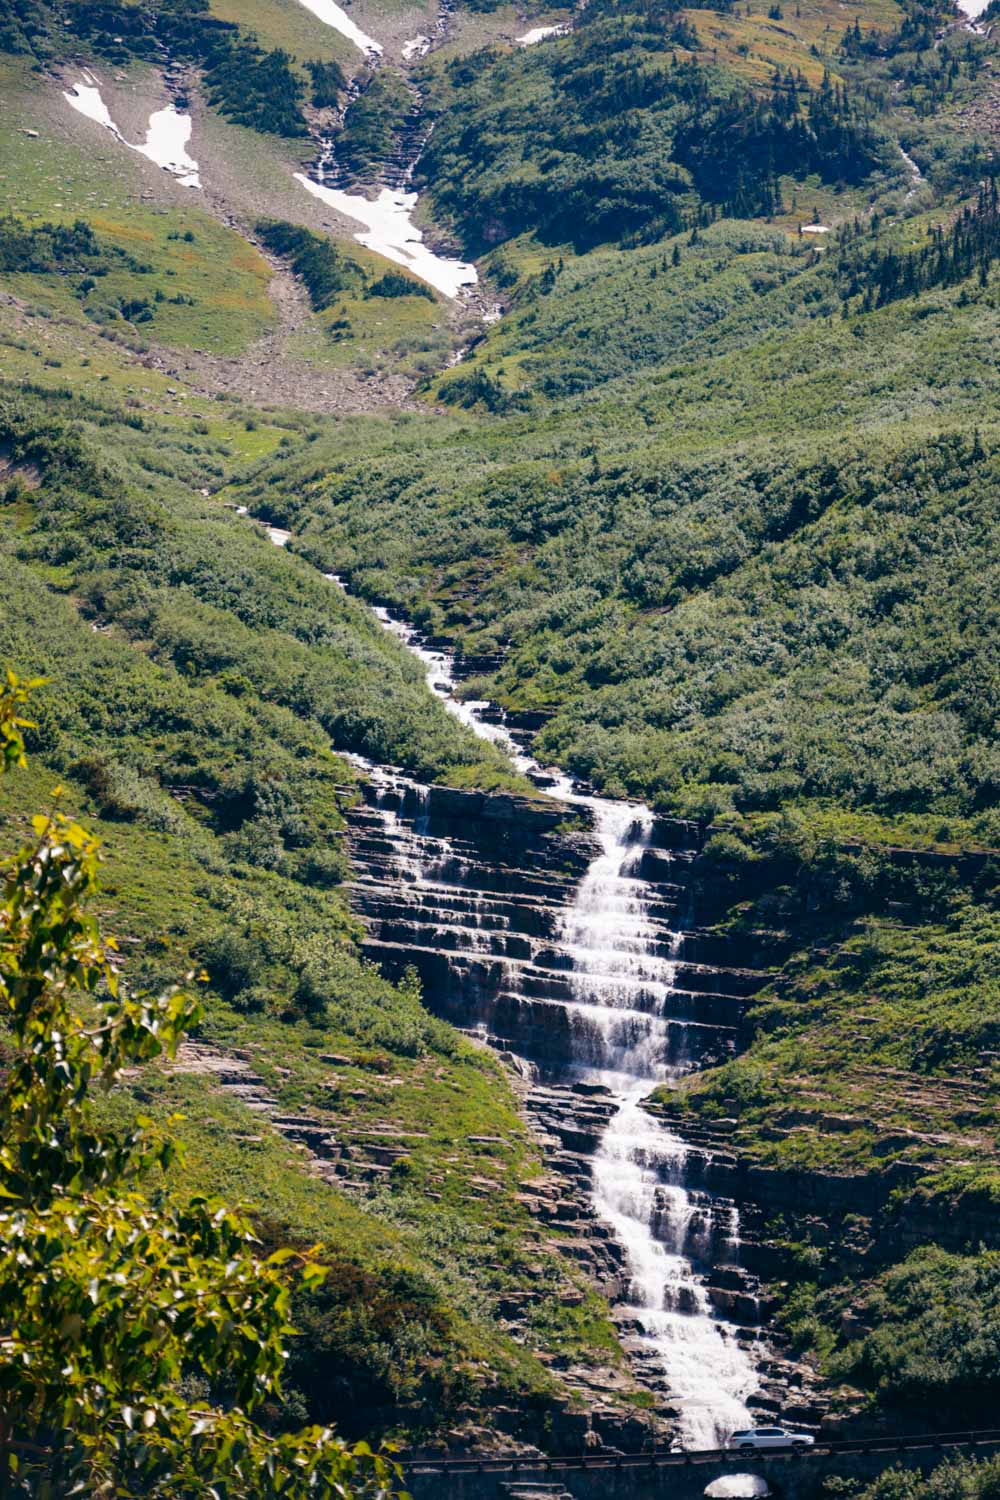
(710, 510)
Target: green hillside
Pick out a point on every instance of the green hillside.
(712, 504)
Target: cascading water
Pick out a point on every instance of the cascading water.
(622, 977)
(620, 962)
(627, 1033)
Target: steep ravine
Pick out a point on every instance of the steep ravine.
(575, 954)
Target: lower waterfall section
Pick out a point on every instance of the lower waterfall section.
(625, 968)
(567, 951)
(708, 1373)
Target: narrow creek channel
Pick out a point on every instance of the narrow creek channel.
(612, 967)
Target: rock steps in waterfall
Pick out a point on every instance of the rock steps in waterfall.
(606, 952)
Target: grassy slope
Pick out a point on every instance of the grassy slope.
(75, 169)
(61, 176)
(291, 27)
(171, 632)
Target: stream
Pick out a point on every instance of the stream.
(621, 967)
(628, 1025)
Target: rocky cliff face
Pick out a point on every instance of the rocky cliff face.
(472, 890)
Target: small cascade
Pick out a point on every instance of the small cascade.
(708, 1373)
(639, 1168)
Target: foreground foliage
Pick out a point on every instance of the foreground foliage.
(956, 1479)
(110, 1299)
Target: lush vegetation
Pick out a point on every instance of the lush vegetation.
(396, 284)
(955, 1479)
(206, 614)
(609, 134)
(256, 88)
(891, 960)
(684, 656)
(252, 85)
(971, 245)
(373, 122)
(933, 1324)
(328, 83)
(109, 1300)
(48, 248)
(179, 645)
(713, 506)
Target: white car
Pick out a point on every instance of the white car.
(757, 1438)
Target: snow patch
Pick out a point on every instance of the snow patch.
(166, 138)
(815, 229)
(166, 144)
(390, 231)
(86, 98)
(539, 33)
(332, 15)
(415, 48)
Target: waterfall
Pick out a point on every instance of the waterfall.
(639, 1167)
(619, 958)
(622, 971)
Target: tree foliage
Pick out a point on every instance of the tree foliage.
(883, 274)
(112, 1298)
(603, 135)
(251, 85)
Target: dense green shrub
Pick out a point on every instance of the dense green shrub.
(935, 1331)
(598, 138)
(258, 89)
(395, 284)
(372, 125)
(328, 82)
(324, 268)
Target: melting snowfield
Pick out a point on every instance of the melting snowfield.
(389, 229)
(539, 33)
(332, 15)
(166, 138)
(166, 144)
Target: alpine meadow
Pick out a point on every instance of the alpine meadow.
(499, 695)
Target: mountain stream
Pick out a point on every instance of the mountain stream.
(621, 964)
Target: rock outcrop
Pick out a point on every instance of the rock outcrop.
(473, 891)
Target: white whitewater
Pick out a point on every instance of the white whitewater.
(389, 229)
(332, 15)
(166, 138)
(639, 1166)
